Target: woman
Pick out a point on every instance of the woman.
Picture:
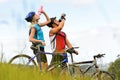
(36, 35)
(59, 41)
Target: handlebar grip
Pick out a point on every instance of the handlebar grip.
(99, 56)
(75, 47)
(71, 50)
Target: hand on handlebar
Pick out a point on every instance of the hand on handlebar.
(39, 43)
(43, 44)
(71, 50)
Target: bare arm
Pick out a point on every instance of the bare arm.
(47, 20)
(68, 43)
(32, 39)
(58, 28)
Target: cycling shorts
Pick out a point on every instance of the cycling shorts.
(40, 57)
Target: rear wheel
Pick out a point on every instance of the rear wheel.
(22, 60)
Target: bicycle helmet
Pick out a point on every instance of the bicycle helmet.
(29, 16)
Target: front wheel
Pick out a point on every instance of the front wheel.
(103, 75)
(22, 59)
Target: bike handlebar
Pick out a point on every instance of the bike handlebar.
(71, 50)
(99, 56)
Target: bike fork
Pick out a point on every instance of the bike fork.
(99, 74)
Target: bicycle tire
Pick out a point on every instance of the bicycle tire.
(19, 56)
(104, 76)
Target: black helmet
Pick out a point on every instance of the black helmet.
(29, 16)
(52, 21)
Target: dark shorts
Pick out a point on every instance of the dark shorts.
(58, 59)
(40, 57)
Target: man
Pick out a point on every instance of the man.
(58, 41)
(36, 35)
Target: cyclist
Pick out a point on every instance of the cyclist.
(36, 35)
(59, 41)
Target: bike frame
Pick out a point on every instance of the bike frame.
(92, 62)
(41, 52)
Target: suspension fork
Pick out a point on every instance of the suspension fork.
(97, 70)
(98, 74)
